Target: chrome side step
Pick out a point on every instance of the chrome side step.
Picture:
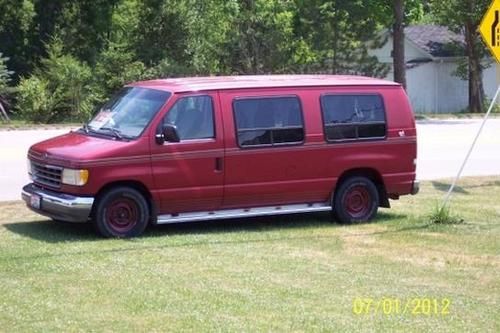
(243, 212)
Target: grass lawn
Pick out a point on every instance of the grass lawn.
(289, 273)
(19, 124)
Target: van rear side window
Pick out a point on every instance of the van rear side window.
(268, 121)
(353, 117)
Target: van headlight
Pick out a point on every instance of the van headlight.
(75, 177)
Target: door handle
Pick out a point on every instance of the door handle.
(218, 164)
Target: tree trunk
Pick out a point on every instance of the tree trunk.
(476, 90)
(3, 113)
(335, 39)
(398, 37)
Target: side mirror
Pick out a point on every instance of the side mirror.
(168, 134)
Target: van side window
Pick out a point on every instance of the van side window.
(193, 117)
(352, 117)
(268, 121)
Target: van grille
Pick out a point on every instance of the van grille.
(48, 175)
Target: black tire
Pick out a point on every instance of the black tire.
(356, 200)
(121, 212)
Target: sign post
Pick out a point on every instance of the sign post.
(490, 31)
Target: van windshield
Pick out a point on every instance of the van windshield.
(127, 114)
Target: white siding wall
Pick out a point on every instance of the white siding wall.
(421, 87)
(452, 92)
(490, 82)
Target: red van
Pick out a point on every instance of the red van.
(205, 148)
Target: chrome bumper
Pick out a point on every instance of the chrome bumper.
(416, 187)
(58, 206)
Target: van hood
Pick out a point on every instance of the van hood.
(76, 149)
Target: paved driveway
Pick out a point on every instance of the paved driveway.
(442, 145)
(13, 166)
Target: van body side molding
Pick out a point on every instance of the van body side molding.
(244, 212)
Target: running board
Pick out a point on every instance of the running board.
(243, 212)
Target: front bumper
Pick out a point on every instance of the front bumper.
(58, 206)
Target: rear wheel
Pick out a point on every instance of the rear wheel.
(121, 212)
(356, 200)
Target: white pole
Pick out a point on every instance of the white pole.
(448, 195)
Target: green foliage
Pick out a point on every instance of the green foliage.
(108, 43)
(35, 102)
(115, 67)
(210, 25)
(263, 40)
(337, 33)
(161, 32)
(167, 68)
(57, 90)
(16, 27)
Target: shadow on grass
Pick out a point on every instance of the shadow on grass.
(53, 232)
(444, 187)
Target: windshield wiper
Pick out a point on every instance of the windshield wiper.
(116, 133)
(86, 128)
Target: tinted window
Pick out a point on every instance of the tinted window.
(350, 117)
(193, 117)
(268, 121)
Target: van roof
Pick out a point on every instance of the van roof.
(259, 81)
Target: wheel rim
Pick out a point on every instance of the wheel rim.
(122, 215)
(357, 202)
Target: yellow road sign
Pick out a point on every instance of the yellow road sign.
(490, 28)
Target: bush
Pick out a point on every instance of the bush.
(58, 90)
(34, 100)
(443, 215)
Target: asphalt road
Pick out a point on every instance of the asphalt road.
(442, 146)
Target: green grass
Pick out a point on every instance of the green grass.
(289, 273)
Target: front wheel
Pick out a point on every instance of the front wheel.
(121, 212)
(356, 200)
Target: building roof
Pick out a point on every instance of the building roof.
(259, 81)
(438, 41)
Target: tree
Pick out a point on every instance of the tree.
(16, 28)
(262, 41)
(464, 17)
(116, 66)
(82, 25)
(398, 38)
(162, 32)
(4, 86)
(208, 44)
(337, 34)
